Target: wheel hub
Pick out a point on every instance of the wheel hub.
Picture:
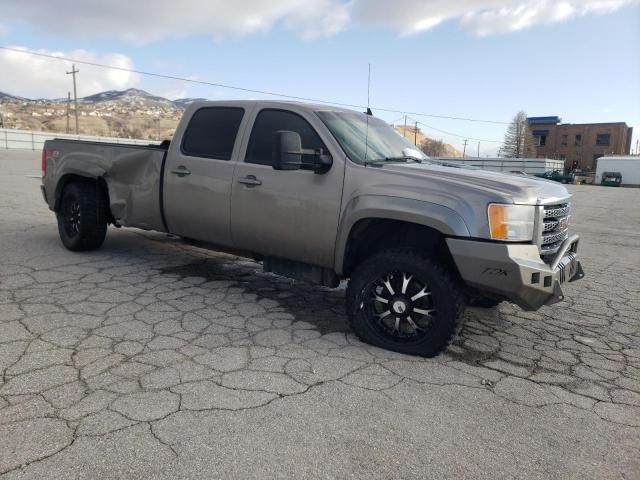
(399, 306)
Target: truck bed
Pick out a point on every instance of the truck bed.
(133, 175)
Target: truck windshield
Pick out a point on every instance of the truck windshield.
(368, 139)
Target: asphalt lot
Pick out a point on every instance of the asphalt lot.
(153, 359)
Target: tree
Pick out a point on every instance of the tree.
(434, 148)
(518, 141)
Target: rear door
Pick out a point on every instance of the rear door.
(288, 214)
(199, 172)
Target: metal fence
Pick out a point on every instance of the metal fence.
(30, 140)
(499, 164)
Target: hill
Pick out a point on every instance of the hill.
(431, 146)
(131, 113)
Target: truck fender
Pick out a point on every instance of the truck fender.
(441, 218)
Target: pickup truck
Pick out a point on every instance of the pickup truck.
(556, 176)
(324, 194)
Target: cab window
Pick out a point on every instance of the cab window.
(270, 121)
(212, 132)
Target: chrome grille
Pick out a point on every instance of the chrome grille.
(554, 227)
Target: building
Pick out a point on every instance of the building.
(579, 145)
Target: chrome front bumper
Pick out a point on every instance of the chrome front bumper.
(516, 271)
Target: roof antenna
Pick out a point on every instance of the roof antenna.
(368, 113)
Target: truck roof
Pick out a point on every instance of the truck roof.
(271, 104)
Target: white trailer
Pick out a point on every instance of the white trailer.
(499, 164)
(628, 166)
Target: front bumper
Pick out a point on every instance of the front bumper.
(516, 271)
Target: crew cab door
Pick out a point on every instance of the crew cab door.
(288, 214)
(198, 174)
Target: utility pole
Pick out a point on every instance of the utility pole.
(404, 132)
(68, 109)
(478, 149)
(75, 93)
(518, 136)
(415, 135)
(464, 150)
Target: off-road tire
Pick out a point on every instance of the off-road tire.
(82, 216)
(446, 296)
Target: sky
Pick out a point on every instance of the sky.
(483, 59)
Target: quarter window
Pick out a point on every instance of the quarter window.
(212, 132)
(267, 123)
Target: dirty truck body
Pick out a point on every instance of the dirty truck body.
(324, 194)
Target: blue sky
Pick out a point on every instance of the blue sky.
(583, 68)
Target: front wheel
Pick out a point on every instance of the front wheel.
(82, 217)
(403, 301)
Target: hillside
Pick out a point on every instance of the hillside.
(432, 147)
(131, 113)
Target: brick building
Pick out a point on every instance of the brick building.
(579, 145)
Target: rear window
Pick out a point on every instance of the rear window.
(212, 132)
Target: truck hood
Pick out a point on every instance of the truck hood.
(500, 187)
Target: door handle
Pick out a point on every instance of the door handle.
(250, 181)
(181, 171)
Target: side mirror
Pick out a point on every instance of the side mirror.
(287, 151)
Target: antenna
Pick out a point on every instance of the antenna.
(368, 113)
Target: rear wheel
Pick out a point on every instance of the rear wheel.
(403, 301)
(82, 217)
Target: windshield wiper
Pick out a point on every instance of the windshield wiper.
(378, 162)
(403, 157)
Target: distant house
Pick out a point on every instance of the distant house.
(579, 145)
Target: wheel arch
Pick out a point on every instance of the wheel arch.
(377, 223)
(69, 178)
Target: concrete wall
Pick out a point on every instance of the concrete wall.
(29, 140)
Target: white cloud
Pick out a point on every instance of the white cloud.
(142, 22)
(482, 17)
(32, 76)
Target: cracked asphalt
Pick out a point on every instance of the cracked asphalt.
(153, 359)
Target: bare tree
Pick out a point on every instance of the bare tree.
(519, 141)
(434, 148)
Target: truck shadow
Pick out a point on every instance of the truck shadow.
(320, 306)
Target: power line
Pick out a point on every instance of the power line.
(243, 89)
(458, 135)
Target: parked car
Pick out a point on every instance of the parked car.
(556, 176)
(323, 194)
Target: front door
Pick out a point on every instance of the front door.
(288, 214)
(198, 176)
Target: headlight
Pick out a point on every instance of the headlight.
(513, 223)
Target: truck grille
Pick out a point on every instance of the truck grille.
(555, 228)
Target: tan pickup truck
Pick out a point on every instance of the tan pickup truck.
(323, 194)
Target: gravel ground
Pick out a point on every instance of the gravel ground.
(153, 359)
